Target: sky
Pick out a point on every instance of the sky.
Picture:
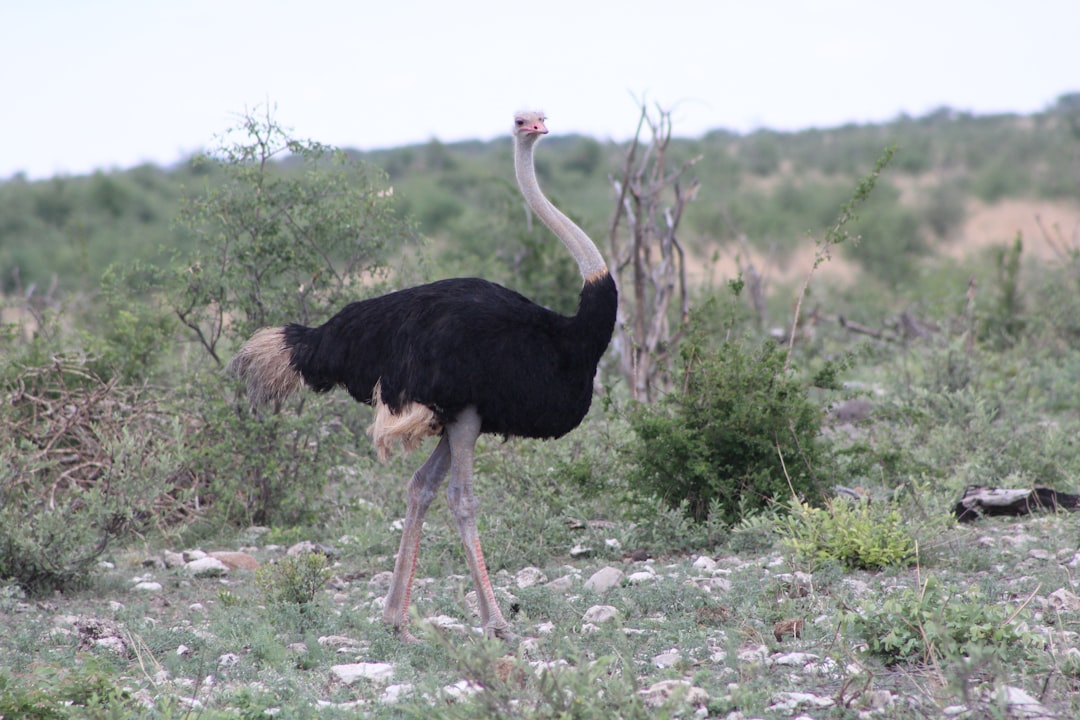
(107, 84)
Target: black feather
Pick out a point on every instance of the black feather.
(466, 341)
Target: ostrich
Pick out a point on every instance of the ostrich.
(454, 358)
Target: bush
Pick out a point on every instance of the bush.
(859, 535)
(739, 433)
(86, 462)
(292, 231)
(934, 623)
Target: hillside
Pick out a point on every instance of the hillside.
(959, 183)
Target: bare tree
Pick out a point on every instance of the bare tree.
(647, 258)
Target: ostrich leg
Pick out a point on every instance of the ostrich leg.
(419, 494)
(463, 505)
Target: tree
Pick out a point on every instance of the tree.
(647, 257)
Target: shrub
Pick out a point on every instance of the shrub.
(86, 462)
(860, 535)
(291, 232)
(934, 622)
(739, 432)
(295, 579)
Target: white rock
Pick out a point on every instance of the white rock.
(446, 623)
(173, 559)
(636, 578)
(545, 628)
(613, 544)
(380, 582)
(113, 644)
(705, 563)
(182, 650)
(206, 567)
(461, 689)
(753, 654)
(529, 576)
(580, 551)
(228, 660)
(148, 586)
(604, 579)
(197, 607)
(351, 672)
(1064, 600)
(190, 555)
(793, 659)
(393, 694)
(666, 659)
(1023, 705)
(600, 614)
(561, 584)
(658, 693)
(790, 701)
(116, 606)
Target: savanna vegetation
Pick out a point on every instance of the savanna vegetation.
(841, 352)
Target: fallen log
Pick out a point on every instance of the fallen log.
(979, 500)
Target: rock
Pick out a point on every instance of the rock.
(236, 560)
(791, 701)
(206, 567)
(190, 555)
(461, 689)
(561, 584)
(580, 551)
(380, 582)
(641, 576)
(613, 544)
(228, 660)
(1063, 600)
(659, 693)
(704, 563)
(604, 579)
(393, 694)
(600, 614)
(529, 576)
(446, 623)
(148, 586)
(667, 659)
(173, 559)
(753, 654)
(1022, 705)
(793, 659)
(351, 672)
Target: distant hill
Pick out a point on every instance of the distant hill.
(958, 182)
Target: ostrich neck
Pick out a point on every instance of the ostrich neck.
(589, 260)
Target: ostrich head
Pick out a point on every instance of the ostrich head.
(529, 125)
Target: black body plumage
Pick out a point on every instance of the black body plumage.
(450, 344)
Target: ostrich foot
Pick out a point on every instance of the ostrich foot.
(501, 630)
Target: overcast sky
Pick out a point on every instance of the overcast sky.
(88, 84)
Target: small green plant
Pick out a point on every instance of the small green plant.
(855, 534)
(53, 692)
(935, 622)
(295, 579)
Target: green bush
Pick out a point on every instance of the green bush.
(738, 433)
(290, 231)
(859, 535)
(295, 579)
(935, 622)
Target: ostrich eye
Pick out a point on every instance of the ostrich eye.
(519, 122)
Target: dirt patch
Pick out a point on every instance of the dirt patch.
(997, 224)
